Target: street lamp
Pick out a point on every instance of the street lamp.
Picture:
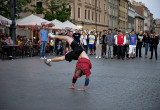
(13, 4)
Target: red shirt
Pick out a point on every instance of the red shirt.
(84, 65)
(120, 39)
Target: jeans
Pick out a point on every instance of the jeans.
(43, 47)
(109, 51)
(146, 48)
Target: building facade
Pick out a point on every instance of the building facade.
(139, 23)
(123, 15)
(112, 13)
(89, 14)
(131, 17)
(157, 26)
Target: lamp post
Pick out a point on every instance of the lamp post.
(13, 4)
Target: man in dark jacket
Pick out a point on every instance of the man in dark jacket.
(154, 41)
(139, 43)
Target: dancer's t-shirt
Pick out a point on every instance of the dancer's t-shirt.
(84, 65)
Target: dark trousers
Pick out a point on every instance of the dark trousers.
(138, 48)
(59, 51)
(120, 51)
(50, 49)
(153, 48)
(115, 50)
(126, 49)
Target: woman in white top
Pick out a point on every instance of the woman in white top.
(98, 45)
(83, 41)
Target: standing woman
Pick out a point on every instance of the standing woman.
(83, 41)
(98, 45)
(146, 40)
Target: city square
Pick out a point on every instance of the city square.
(79, 55)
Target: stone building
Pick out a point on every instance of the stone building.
(131, 17)
(139, 23)
(123, 15)
(157, 26)
(89, 14)
(112, 13)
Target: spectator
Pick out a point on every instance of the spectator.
(98, 45)
(51, 46)
(91, 43)
(109, 41)
(126, 46)
(132, 41)
(87, 33)
(146, 40)
(115, 46)
(83, 41)
(43, 41)
(9, 50)
(76, 36)
(20, 41)
(154, 41)
(120, 42)
(139, 43)
(103, 43)
(59, 48)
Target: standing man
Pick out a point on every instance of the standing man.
(139, 43)
(132, 41)
(76, 36)
(115, 46)
(87, 33)
(103, 43)
(91, 43)
(43, 41)
(120, 42)
(154, 41)
(109, 41)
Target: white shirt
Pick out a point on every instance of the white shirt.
(83, 40)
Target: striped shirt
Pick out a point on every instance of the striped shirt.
(91, 39)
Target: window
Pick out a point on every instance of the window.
(39, 7)
(89, 14)
(79, 13)
(85, 14)
(99, 17)
(92, 15)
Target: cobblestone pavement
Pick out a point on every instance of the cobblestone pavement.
(28, 84)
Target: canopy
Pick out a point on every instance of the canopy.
(4, 20)
(32, 20)
(58, 24)
(70, 25)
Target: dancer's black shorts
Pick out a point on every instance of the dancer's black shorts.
(74, 55)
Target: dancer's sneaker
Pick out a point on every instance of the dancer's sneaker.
(47, 62)
(51, 35)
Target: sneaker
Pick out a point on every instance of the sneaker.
(96, 56)
(47, 62)
(99, 57)
(51, 35)
(42, 58)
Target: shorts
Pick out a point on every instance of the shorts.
(74, 55)
(132, 49)
(91, 46)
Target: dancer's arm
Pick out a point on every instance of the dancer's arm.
(85, 85)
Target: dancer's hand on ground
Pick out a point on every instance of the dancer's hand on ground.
(81, 89)
(72, 87)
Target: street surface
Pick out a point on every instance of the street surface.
(28, 84)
